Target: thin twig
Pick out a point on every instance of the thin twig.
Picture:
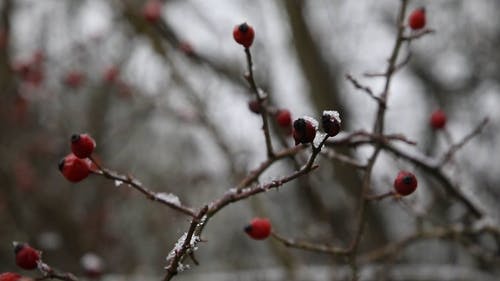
(418, 34)
(49, 273)
(380, 196)
(455, 147)
(262, 104)
(308, 246)
(363, 88)
(255, 174)
(130, 181)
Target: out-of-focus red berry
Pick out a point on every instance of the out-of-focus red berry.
(284, 118)
(405, 183)
(438, 119)
(26, 256)
(151, 11)
(10, 276)
(417, 19)
(74, 79)
(111, 74)
(254, 106)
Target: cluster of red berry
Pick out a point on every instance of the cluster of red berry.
(76, 166)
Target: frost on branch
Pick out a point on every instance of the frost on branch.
(193, 246)
(168, 198)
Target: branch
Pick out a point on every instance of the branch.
(185, 245)
(255, 174)
(134, 183)
(455, 147)
(365, 89)
(262, 100)
(49, 273)
(418, 34)
(308, 246)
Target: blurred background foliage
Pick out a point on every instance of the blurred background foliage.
(168, 104)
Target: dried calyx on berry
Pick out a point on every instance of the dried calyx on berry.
(26, 256)
(330, 120)
(304, 130)
(244, 34)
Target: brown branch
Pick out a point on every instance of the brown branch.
(453, 231)
(234, 195)
(433, 169)
(308, 246)
(455, 147)
(363, 88)
(255, 174)
(134, 183)
(49, 273)
(418, 34)
(262, 99)
(378, 129)
(331, 154)
(186, 246)
(381, 196)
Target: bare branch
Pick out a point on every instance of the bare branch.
(455, 147)
(130, 181)
(363, 88)
(308, 246)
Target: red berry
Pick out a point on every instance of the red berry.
(186, 48)
(330, 120)
(438, 119)
(259, 228)
(74, 79)
(82, 145)
(10, 276)
(254, 106)
(304, 130)
(243, 34)
(26, 256)
(284, 118)
(111, 74)
(405, 183)
(38, 57)
(75, 169)
(416, 20)
(152, 11)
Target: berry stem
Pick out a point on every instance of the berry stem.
(262, 99)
